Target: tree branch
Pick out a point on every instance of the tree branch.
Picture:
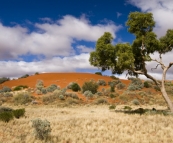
(155, 67)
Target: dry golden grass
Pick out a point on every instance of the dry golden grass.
(89, 124)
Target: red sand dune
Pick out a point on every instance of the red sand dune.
(61, 79)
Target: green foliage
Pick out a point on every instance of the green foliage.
(147, 84)
(157, 88)
(39, 84)
(114, 82)
(91, 86)
(70, 85)
(8, 94)
(5, 89)
(112, 107)
(120, 86)
(136, 84)
(75, 87)
(24, 76)
(52, 88)
(113, 77)
(135, 102)
(4, 79)
(101, 82)
(72, 101)
(22, 98)
(112, 87)
(42, 128)
(98, 73)
(88, 94)
(112, 95)
(5, 109)
(37, 73)
(43, 91)
(20, 87)
(61, 97)
(101, 101)
(19, 113)
(6, 116)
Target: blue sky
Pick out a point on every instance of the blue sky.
(57, 35)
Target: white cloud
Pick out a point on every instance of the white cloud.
(84, 49)
(118, 14)
(162, 11)
(50, 39)
(56, 64)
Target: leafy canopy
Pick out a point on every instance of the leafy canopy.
(123, 56)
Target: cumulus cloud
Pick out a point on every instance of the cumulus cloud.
(162, 11)
(56, 64)
(50, 39)
(84, 49)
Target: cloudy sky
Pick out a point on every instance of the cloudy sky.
(58, 35)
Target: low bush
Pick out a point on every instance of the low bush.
(113, 77)
(147, 84)
(157, 88)
(112, 95)
(61, 97)
(19, 113)
(8, 94)
(42, 91)
(20, 87)
(75, 87)
(136, 84)
(98, 73)
(42, 128)
(88, 94)
(5, 109)
(120, 86)
(51, 88)
(72, 101)
(111, 107)
(101, 82)
(91, 86)
(101, 101)
(70, 85)
(6, 116)
(114, 82)
(22, 98)
(49, 98)
(24, 76)
(39, 84)
(4, 79)
(5, 89)
(135, 102)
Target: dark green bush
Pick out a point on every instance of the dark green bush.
(112, 107)
(4, 79)
(18, 113)
(75, 87)
(6, 116)
(91, 86)
(113, 77)
(43, 91)
(36, 73)
(98, 73)
(20, 87)
(101, 82)
(147, 84)
(25, 76)
(112, 95)
(5, 109)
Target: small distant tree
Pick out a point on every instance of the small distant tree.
(133, 57)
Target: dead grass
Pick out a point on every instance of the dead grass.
(89, 124)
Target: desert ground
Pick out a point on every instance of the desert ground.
(84, 120)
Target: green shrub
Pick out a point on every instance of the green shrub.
(135, 102)
(114, 82)
(101, 82)
(70, 85)
(147, 84)
(101, 101)
(43, 91)
(120, 86)
(4, 79)
(88, 94)
(52, 88)
(42, 128)
(112, 88)
(75, 87)
(18, 113)
(72, 101)
(5, 89)
(24, 76)
(6, 116)
(157, 88)
(39, 84)
(112, 107)
(5, 109)
(136, 84)
(37, 73)
(113, 77)
(8, 94)
(99, 93)
(22, 98)
(49, 98)
(61, 97)
(20, 87)
(98, 73)
(112, 95)
(91, 86)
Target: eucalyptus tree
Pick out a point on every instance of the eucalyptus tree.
(133, 57)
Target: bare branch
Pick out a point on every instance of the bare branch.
(155, 67)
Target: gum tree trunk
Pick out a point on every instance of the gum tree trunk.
(164, 93)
